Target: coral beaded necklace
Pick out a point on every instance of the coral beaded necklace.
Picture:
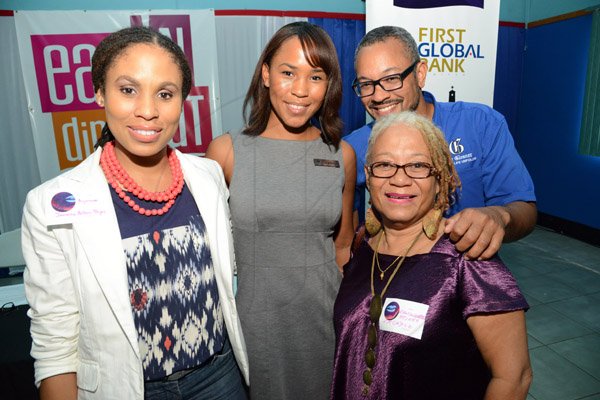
(121, 182)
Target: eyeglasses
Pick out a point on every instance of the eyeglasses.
(374, 313)
(387, 83)
(415, 170)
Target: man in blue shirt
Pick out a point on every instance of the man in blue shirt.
(497, 201)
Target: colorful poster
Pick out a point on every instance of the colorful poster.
(56, 48)
(457, 38)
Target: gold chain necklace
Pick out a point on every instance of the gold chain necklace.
(383, 271)
(376, 307)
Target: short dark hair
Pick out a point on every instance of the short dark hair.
(383, 33)
(112, 46)
(320, 52)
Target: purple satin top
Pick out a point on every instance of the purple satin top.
(445, 363)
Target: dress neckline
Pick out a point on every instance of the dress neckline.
(434, 249)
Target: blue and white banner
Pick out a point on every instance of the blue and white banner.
(457, 38)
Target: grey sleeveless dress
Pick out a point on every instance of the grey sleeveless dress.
(285, 199)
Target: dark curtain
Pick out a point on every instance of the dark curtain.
(346, 33)
(509, 72)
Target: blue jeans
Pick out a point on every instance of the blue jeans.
(219, 378)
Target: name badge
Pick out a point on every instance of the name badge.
(404, 317)
(320, 162)
(64, 207)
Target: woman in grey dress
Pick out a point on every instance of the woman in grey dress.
(292, 186)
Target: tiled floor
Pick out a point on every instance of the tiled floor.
(560, 278)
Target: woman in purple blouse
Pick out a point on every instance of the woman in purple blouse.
(415, 319)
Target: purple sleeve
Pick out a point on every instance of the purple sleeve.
(488, 287)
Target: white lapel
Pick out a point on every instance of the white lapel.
(100, 238)
(203, 189)
(212, 205)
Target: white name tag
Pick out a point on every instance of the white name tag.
(404, 317)
(65, 207)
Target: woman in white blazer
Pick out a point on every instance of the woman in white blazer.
(129, 255)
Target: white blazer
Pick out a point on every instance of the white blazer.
(76, 279)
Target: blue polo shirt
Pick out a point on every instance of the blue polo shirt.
(490, 169)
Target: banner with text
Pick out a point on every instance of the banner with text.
(56, 48)
(457, 38)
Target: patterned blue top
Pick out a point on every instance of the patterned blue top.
(173, 292)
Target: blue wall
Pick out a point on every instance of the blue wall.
(346, 35)
(509, 70)
(549, 120)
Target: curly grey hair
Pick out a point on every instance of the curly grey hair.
(436, 144)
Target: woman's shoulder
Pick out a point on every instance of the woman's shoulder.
(223, 140)
(444, 245)
(200, 164)
(346, 147)
(220, 146)
(220, 150)
(348, 152)
(81, 180)
(493, 266)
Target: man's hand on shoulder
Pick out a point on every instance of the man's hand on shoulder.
(478, 231)
(481, 231)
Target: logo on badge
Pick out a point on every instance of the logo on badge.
(455, 147)
(63, 201)
(391, 311)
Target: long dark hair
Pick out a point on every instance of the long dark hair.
(320, 52)
(116, 43)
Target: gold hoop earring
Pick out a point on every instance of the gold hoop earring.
(431, 223)
(372, 223)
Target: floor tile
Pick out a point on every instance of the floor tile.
(520, 271)
(531, 300)
(583, 351)
(513, 254)
(546, 289)
(564, 247)
(532, 342)
(593, 397)
(522, 247)
(534, 259)
(555, 378)
(514, 247)
(541, 236)
(548, 265)
(591, 259)
(548, 326)
(583, 309)
(584, 281)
